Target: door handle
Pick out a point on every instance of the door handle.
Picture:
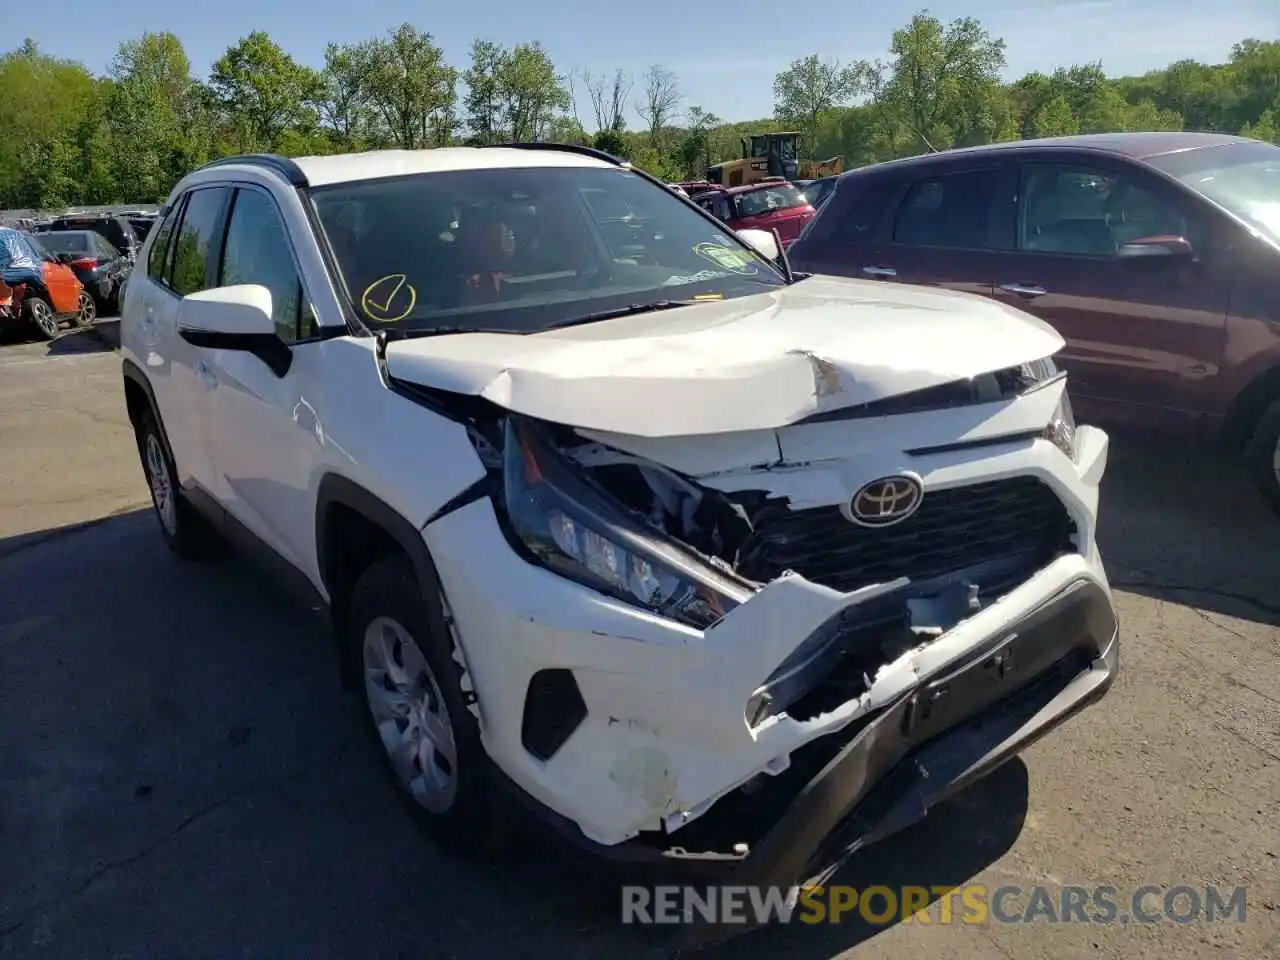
(1024, 289)
(880, 271)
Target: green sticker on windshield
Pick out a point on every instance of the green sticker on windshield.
(738, 261)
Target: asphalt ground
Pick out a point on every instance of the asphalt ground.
(181, 776)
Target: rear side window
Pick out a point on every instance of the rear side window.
(860, 217)
(196, 239)
(158, 257)
(948, 211)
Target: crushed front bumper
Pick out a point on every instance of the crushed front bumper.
(940, 737)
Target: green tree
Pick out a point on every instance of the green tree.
(810, 86)
(412, 88)
(484, 100)
(262, 91)
(343, 93)
(531, 93)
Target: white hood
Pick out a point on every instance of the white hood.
(754, 363)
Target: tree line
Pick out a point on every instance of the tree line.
(70, 137)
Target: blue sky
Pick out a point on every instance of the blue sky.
(725, 58)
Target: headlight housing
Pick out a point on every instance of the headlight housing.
(1061, 429)
(567, 524)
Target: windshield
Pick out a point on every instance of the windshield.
(1243, 178)
(756, 203)
(521, 250)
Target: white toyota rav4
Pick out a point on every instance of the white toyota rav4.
(612, 513)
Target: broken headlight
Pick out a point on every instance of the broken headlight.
(1061, 429)
(573, 528)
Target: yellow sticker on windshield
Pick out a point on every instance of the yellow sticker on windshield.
(727, 258)
(389, 299)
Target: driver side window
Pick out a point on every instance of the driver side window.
(257, 251)
(1092, 212)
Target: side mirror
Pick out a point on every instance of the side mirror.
(235, 318)
(1161, 246)
(763, 241)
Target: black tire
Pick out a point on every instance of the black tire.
(40, 317)
(186, 533)
(88, 312)
(389, 590)
(1262, 455)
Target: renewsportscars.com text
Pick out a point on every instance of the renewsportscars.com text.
(968, 904)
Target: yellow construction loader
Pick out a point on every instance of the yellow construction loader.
(772, 155)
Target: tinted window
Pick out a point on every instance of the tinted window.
(67, 242)
(1090, 212)
(860, 217)
(158, 257)
(104, 248)
(257, 251)
(948, 211)
(519, 250)
(195, 239)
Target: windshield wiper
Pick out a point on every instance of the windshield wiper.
(627, 311)
(413, 333)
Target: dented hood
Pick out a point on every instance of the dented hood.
(753, 363)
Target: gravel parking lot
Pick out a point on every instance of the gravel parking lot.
(180, 775)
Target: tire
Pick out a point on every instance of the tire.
(186, 533)
(40, 317)
(1262, 455)
(415, 708)
(88, 312)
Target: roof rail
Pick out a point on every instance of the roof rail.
(271, 161)
(566, 148)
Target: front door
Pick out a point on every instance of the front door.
(1144, 335)
(941, 233)
(265, 436)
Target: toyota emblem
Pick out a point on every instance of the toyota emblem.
(884, 502)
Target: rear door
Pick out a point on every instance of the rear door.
(942, 231)
(1145, 336)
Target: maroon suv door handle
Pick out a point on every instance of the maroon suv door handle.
(880, 271)
(1027, 290)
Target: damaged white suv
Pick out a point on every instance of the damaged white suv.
(612, 513)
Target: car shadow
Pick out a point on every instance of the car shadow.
(1186, 525)
(78, 340)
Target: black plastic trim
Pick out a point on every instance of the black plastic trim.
(577, 148)
(286, 168)
(477, 491)
(267, 347)
(553, 710)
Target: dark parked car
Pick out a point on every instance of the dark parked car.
(115, 230)
(1155, 255)
(817, 192)
(100, 267)
(768, 205)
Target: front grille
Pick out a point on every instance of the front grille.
(1016, 526)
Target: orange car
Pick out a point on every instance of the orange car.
(38, 290)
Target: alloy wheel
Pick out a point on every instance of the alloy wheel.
(410, 715)
(88, 310)
(161, 483)
(44, 318)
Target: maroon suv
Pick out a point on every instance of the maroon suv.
(1155, 255)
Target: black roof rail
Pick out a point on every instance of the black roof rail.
(271, 161)
(565, 148)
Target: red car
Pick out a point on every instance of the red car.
(768, 205)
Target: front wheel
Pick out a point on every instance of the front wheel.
(1262, 455)
(41, 317)
(185, 532)
(416, 710)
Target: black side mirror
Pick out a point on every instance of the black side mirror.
(1159, 246)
